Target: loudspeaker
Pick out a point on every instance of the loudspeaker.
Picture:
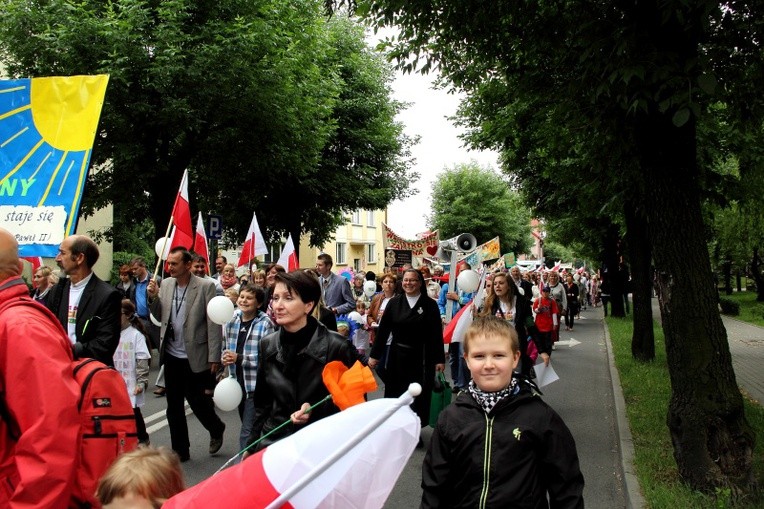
(466, 242)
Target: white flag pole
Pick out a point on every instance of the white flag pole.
(404, 400)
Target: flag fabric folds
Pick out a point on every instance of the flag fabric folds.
(361, 477)
(288, 258)
(455, 329)
(200, 241)
(254, 243)
(181, 211)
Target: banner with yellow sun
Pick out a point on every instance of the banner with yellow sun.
(47, 128)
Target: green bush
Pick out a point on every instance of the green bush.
(729, 306)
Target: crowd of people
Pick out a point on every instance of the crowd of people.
(286, 327)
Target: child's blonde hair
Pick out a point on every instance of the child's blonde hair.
(491, 326)
(152, 473)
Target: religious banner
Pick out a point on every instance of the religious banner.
(397, 258)
(484, 252)
(47, 128)
(427, 245)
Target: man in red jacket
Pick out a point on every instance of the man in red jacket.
(39, 423)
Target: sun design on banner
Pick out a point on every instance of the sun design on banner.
(47, 128)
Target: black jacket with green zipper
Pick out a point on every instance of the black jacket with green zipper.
(508, 458)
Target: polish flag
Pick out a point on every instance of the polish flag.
(556, 267)
(288, 258)
(351, 459)
(200, 241)
(181, 211)
(455, 329)
(179, 238)
(254, 243)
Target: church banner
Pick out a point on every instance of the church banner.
(47, 129)
(427, 245)
(484, 252)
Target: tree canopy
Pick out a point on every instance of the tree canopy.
(604, 99)
(471, 199)
(260, 101)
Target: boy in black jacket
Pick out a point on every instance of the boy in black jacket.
(499, 445)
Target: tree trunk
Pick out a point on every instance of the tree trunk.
(758, 276)
(727, 268)
(713, 442)
(609, 271)
(638, 243)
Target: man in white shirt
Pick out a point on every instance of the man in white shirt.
(88, 308)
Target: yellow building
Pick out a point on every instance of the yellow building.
(357, 244)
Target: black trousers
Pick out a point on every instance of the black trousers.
(182, 383)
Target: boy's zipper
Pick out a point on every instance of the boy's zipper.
(486, 461)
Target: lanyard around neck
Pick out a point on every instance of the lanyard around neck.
(178, 303)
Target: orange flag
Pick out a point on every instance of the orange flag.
(348, 386)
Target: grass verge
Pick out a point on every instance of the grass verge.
(646, 389)
(750, 310)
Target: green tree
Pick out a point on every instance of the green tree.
(242, 94)
(471, 199)
(620, 87)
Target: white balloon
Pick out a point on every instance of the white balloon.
(220, 309)
(227, 393)
(369, 288)
(162, 243)
(468, 281)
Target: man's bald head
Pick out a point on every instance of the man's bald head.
(10, 265)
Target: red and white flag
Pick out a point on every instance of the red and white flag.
(455, 329)
(200, 241)
(288, 258)
(181, 211)
(320, 466)
(556, 267)
(179, 238)
(254, 243)
(36, 262)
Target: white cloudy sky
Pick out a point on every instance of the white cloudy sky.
(439, 147)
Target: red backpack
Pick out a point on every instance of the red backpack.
(107, 420)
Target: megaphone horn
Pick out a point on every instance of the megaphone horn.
(466, 242)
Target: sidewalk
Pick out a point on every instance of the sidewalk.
(747, 348)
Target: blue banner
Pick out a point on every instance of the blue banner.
(47, 128)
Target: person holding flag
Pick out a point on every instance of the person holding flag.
(292, 360)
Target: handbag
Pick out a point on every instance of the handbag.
(441, 397)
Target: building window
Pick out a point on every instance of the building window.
(340, 256)
(356, 217)
(371, 253)
(370, 218)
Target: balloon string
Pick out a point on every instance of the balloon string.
(271, 432)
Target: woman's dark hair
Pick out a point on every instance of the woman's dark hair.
(272, 266)
(370, 276)
(301, 283)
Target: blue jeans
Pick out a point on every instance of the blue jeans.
(247, 419)
(459, 372)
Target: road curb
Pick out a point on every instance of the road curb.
(634, 498)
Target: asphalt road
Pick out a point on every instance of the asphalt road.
(583, 397)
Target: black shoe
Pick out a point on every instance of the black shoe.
(216, 442)
(183, 456)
